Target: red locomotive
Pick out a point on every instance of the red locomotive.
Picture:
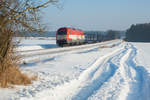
(69, 36)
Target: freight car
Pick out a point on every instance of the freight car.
(93, 37)
(69, 36)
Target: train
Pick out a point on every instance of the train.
(69, 36)
(66, 36)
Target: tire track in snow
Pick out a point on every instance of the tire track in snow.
(105, 71)
(136, 79)
(127, 74)
(111, 88)
(87, 83)
(130, 82)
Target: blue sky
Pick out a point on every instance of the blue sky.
(97, 14)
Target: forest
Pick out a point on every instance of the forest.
(138, 33)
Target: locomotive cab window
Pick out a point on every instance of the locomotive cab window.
(62, 32)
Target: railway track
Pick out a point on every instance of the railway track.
(37, 55)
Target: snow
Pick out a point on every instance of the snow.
(36, 43)
(120, 71)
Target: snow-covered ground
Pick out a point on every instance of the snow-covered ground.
(112, 70)
(36, 43)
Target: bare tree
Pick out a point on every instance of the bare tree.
(17, 16)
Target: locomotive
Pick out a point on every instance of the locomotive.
(69, 36)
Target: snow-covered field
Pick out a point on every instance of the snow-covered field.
(36, 43)
(112, 70)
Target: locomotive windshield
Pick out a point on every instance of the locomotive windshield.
(62, 32)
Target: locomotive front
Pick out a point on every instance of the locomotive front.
(61, 37)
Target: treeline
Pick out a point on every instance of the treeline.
(138, 33)
(114, 34)
(35, 34)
